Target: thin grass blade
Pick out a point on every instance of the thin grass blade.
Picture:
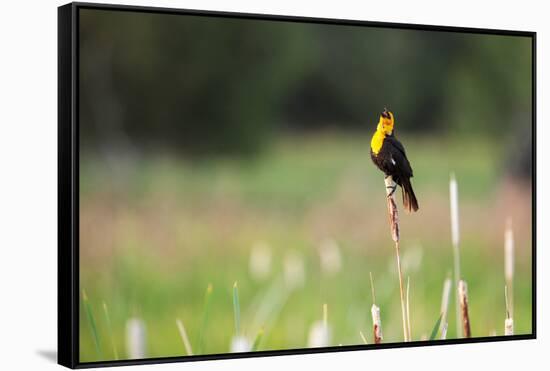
(206, 311)
(436, 327)
(92, 323)
(110, 330)
(257, 340)
(236, 309)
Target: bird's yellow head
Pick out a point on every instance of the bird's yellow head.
(384, 128)
(385, 124)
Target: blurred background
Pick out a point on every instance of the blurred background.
(220, 150)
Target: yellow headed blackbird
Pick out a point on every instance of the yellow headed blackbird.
(388, 154)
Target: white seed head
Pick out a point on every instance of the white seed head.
(294, 270)
(330, 257)
(412, 258)
(136, 338)
(509, 326)
(376, 321)
(260, 261)
(240, 344)
(453, 193)
(319, 335)
(509, 252)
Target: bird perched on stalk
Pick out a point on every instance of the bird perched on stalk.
(388, 154)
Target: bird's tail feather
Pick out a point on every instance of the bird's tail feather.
(409, 198)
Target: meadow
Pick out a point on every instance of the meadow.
(301, 225)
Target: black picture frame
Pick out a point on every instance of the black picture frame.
(68, 184)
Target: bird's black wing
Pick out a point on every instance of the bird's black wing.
(397, 158)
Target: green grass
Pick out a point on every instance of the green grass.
(92, 323)
(236, 309)
(435, 330)
(155, 234)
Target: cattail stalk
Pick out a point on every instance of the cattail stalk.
(463, 298)
(509, 321)
(392, 208)
(509, 326)
(509, 266)
(394, 227)
(376, 324)
(455, 233)
(375, 312)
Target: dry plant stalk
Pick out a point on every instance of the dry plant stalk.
(444, 331)
(376, 324)
(394, 227)
(463, 298)
(445, 306)
(408, 309)
(509, 321)
(375, 311)
(509, 326)
(184, 337)
(392, 208)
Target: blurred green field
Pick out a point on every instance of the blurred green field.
(156, 231)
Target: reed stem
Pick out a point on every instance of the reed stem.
(402, 294)
(408, 309)
(394, 227)
(376, 324)
(363, 337)
(509, 321)
(455, 234)
(463, 297)
(184, 337)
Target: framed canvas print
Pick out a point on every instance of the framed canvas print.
(237, 185)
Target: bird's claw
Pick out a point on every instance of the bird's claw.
(393, 188)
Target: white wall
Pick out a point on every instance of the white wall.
(28, 145)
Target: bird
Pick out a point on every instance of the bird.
(388, 154)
